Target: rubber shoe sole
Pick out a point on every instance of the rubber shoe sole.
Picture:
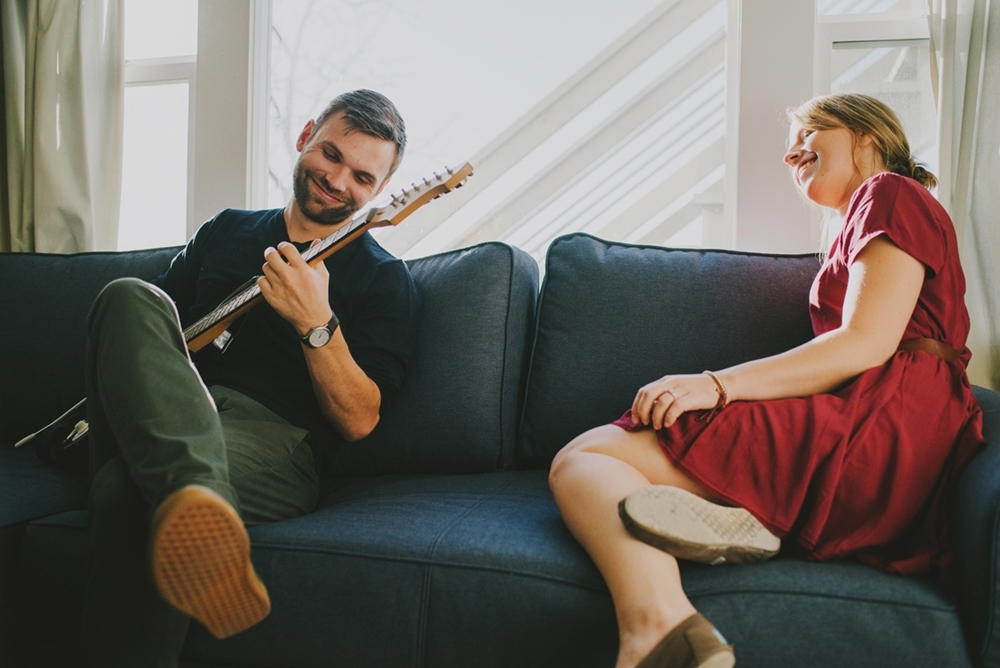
(200, 554)
(689, 527)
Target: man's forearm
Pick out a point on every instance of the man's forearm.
(349, 399)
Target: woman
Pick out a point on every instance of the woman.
(825, 446)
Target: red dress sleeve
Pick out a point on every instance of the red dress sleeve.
(899, 208)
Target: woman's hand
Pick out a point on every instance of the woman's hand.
(661, 402)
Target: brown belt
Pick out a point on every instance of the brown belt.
(932, 346)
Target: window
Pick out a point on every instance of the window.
(545, 94)
(605, 117)
(881, 48)
(160, 48)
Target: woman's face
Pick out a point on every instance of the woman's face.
(825, 163)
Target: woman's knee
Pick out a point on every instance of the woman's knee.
(589, 441)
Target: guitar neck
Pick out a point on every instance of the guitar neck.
(210, 326)
(345, 235)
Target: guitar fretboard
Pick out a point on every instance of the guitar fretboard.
(250, 290)
(244, 294)
(401, 206)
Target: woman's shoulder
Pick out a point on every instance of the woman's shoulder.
(892, 189)
(905, 211)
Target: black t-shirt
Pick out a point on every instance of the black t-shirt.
(371, 292)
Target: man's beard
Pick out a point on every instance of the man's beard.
(313, 207)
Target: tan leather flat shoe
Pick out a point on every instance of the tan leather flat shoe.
(694, 643)
(689, 527)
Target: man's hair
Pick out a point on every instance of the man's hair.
(372, 114)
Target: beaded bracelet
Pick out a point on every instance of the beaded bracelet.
(723, 397)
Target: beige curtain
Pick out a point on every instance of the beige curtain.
(965, 45)
(63, 87)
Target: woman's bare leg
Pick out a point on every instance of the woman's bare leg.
(589, 477)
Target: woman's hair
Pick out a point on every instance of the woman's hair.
(865, 115)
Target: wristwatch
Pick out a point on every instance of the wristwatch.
(317, 337)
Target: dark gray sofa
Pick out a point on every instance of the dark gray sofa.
(437, 542)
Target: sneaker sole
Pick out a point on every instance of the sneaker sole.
(689, 527)
(200, 555)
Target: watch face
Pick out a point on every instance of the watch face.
(319, 337)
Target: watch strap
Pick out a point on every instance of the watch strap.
(330, 327)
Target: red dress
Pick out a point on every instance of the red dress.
(866, 470)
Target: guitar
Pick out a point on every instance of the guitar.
(56, 442)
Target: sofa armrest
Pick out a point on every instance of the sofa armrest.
(976, 523)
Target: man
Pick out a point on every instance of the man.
(185, 451)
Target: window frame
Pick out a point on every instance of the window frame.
(229, 156)
(859, 30)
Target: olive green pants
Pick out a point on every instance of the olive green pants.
(154, 428)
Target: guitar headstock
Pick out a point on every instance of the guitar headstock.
(411, 199)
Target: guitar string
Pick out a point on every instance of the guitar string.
(246, 292)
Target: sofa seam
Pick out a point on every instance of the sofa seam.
(428, 567)
(539, 303)
(952, 612)
(990, 616)
(506, 351)
(68, 256)
(421, 634)
(725, 251)
(548, 578)
(507, 312)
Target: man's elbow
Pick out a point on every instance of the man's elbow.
(358, 428)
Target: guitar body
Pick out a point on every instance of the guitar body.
(215, 331)
(61, 442)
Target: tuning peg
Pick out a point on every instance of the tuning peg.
(436, 176)
(448, 169)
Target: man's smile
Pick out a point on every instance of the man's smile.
(331, 197)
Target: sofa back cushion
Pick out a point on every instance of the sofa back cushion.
(458, 409)
(44, 301)
(614, 316)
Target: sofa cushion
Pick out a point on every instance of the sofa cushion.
(32, 490)
(458, 408)
(976, 535)
(479, 570)
(51, 295)
(614, 316)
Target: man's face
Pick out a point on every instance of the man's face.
(339, 170)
